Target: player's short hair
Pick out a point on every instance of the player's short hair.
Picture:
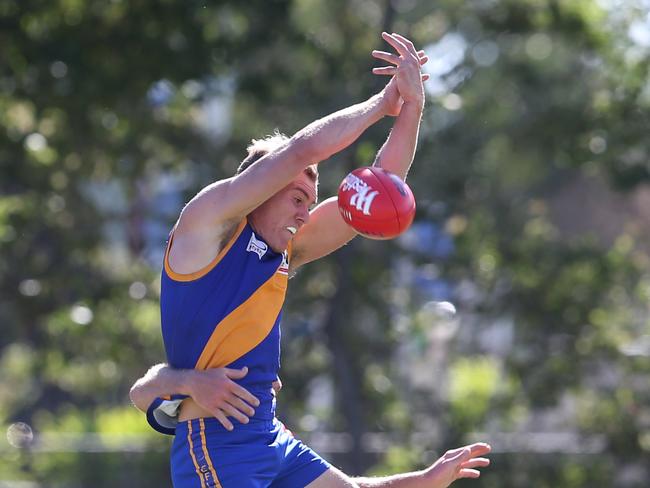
(261, 147)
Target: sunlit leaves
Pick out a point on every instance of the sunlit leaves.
(473, 381)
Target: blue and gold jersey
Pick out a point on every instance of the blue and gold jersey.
(226, 315)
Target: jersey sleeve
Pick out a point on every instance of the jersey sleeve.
(162, 414)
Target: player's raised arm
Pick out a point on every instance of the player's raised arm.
(404, 95)
(235, 197)
(397, 154)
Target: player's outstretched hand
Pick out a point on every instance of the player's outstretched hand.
(215, 391)
(456, 464)
(406, 70)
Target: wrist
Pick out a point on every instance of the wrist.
(380, 102)
(184, 381)
(415, 104)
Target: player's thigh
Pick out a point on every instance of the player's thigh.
(332, 478)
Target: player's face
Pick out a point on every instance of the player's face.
(279, 218)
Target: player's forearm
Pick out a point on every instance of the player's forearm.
(335, 132)
(159, 381)
(406, 480)
(397, 153)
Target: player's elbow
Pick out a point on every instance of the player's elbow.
(138, 397)
(307, 150)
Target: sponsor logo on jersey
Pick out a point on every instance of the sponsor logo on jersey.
(257, 246)
(284, 266)
(364, 194)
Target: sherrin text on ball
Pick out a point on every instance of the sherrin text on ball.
(376, 203)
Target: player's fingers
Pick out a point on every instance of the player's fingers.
(236, 373)
(424, 60)
(409, 45)
(457, 456)
(391, 58)
(425, 77)
(396, 43)
(479, 448)
(241, 405)
(407, 42)
(469, 473)
(476, 463)
(244, 394)
(231, 411)
(385, 70)
(219, 415)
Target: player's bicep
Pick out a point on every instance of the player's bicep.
(235, 197)
(206, 207)
(325, 232)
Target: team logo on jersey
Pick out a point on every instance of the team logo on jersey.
(257, 246)
(284, 266)
(364, 195)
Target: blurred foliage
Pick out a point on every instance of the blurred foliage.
(508, 311)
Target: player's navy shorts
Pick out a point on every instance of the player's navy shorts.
(260, 454)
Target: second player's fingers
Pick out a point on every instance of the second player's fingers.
(391, 58)
(480, 448)
(385, 70)
(469, 473)
(241, 405)
(236, 373)
(231, 411)
(424, 60)
(476, 463)
(458, 455)
(244, 394)
(425, 77)
(221, 417)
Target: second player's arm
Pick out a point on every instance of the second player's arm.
(213, 389)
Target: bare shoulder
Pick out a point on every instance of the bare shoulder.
(191, 250)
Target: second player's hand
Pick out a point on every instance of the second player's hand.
(457, 463)
(215, 391)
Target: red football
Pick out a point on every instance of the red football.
(376, 203)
